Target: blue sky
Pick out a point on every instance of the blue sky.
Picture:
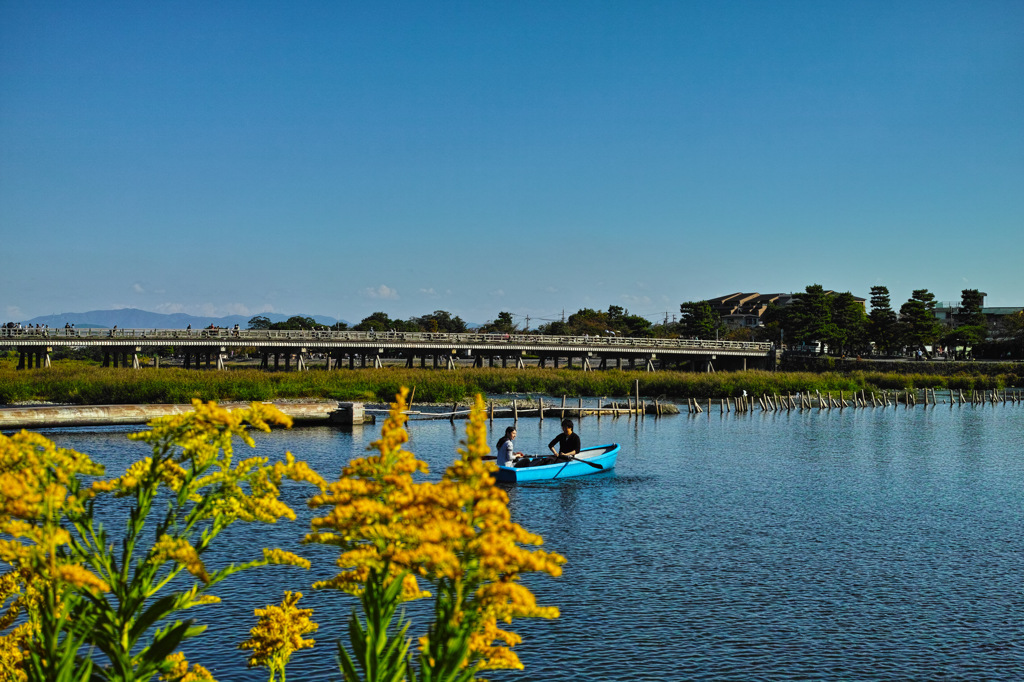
(339, 158)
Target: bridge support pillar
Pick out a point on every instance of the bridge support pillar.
(351, 360)
(543, 361)
(423, 361)
(504, 360)
(288, 362)
(521, 365)
(277, 360)
(556, 362)
(300, 363)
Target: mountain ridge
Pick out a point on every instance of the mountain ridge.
(134, 318)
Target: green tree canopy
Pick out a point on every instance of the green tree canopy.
(503, 324)
(849, 325)
(377, 322)
(259, 322)
(918, 319)
(440, 321)
(971, 303)
(882, 321)
(699, 320)
(808, 318)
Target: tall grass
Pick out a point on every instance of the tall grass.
(87, 384)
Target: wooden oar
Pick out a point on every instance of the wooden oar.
(593, 464)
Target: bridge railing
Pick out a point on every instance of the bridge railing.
(172, 335)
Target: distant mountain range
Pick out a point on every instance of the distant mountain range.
(132, 318)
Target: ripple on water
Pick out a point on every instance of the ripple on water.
(870, 544)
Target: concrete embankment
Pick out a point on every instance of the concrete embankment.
(326, 413)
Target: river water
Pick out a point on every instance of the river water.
(870, 544)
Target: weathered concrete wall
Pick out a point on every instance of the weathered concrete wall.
(106, 415)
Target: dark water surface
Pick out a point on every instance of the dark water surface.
(869, 545)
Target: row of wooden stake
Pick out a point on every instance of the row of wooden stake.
(775, 402)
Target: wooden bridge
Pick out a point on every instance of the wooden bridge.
(337, 349)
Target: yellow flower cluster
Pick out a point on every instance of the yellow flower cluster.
(17, 595)
(456, 533)
(180, 550)
(282, 558)
(39, 488)
(377, 514)
(194, 457)
(278, 634)
(181, 671)
(493, 552)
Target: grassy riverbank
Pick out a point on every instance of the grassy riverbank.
(87, 384)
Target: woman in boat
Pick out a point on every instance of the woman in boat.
(506, 457)
(568, 443)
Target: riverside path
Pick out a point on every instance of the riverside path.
(299, 349)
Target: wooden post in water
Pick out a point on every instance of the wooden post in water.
(492, 411)
(515, 411)
(563, 408)
(581, 409)
(540, 408)
(455, 406)
(637, 384)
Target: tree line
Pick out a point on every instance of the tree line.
(839, 324)
(827, 322)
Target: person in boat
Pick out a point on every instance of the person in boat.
(568, 443)
(506, 456)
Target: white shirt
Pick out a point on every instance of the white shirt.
(505, 454)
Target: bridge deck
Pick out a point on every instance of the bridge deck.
(322, 340)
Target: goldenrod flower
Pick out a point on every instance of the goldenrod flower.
(40, 488)
(180, 670)
(278, 634)
(456, 534)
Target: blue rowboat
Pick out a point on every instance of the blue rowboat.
(603, 455)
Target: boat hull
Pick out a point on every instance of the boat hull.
(605, 455)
